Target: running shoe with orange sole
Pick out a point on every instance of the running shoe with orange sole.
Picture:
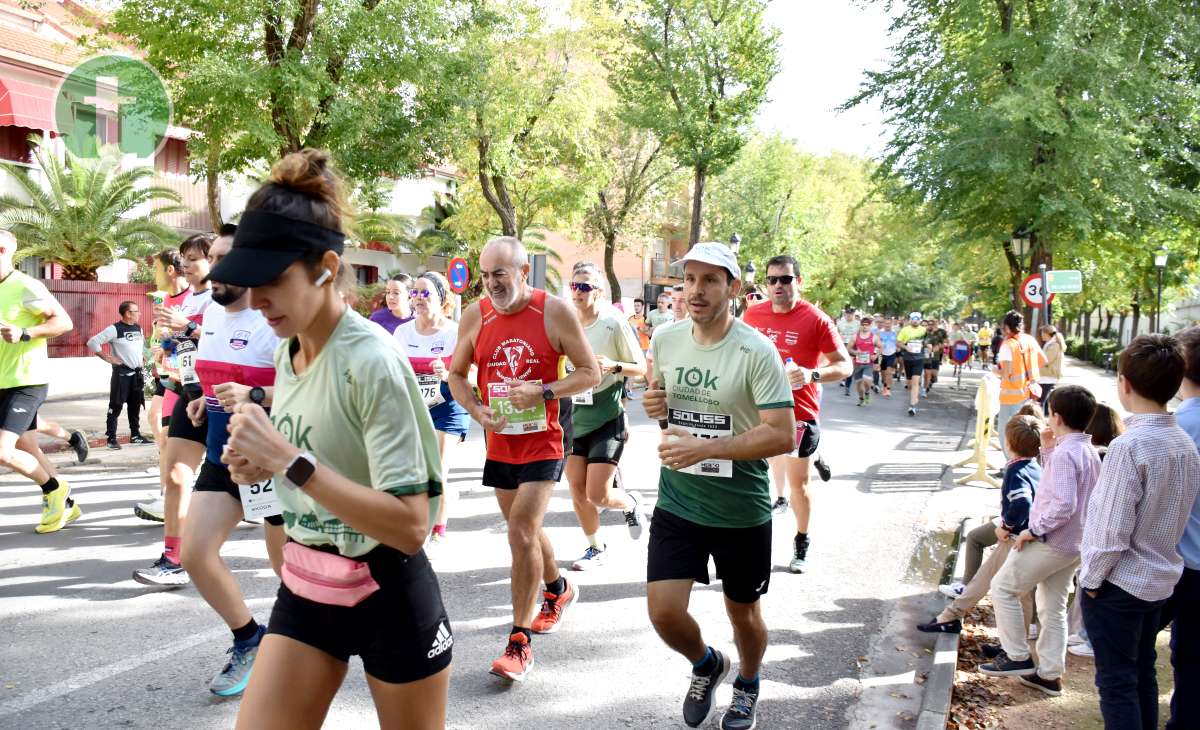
(553, 608)
(517, 659)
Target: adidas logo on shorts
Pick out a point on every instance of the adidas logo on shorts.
(442, 642)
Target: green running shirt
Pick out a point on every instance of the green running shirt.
(359, 410)
(611, 336)
(713, 391)
(24, 302)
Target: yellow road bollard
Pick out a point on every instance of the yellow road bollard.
(987, 404)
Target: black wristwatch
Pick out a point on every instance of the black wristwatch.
(25, 335)
(547, 393)
(617, 368)
(257, 395)
(300, 470)
(191, 327)
(816, 375)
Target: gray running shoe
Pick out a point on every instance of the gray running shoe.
(799, 557)
(79, 443)
(232, 680)
(636, 518)
(780, 506)
(699, 700)
(740, 715)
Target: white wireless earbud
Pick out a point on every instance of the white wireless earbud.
(325, 276)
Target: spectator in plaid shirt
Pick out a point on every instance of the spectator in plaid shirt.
(1182, 609)
(1135, 519)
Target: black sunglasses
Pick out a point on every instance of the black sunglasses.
(785, 279)
(583, 287)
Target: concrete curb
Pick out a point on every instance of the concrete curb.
(939, 687)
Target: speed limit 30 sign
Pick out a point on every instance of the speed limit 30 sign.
(1031, 291)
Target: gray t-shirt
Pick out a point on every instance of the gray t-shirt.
(127, 341)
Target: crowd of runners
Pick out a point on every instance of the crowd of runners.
(274, 401)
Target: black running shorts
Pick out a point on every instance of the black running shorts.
(679, 550)
(808, 438)
(215, 478)
(181, 426)
(604, 445)
(501, 475)
(19, 407)
(889, 361)
(914, 366)
(401, 631)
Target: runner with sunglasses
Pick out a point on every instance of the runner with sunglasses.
(516, 337)
(807, 337)
(429, 340)
(599, 430)
(353, 453)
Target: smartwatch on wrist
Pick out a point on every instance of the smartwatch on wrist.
(25, 335)
(257, 395)
(548, 393)
(300, 470)
(816, 375)
(191, 327)
(617, 368)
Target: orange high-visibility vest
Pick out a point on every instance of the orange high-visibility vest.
(1014, 387)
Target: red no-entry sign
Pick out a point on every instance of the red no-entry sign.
(458, 274)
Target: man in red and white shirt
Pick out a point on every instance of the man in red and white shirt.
(813, 352)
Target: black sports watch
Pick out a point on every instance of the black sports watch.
(548, 393)
(257, 395)
(617, 368)
(816, 375)
(300, 470)
(25, 335)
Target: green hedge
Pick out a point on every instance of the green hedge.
(1100, 348)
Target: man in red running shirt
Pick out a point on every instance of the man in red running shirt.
(806, 335)
(517, 337)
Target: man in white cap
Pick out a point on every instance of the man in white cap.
(720, 392)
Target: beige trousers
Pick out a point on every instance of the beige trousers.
(981, 584)
(1035, 566)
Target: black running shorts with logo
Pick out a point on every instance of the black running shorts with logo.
(808, 438)
(679, 550)
(401, 631)
(181, 426)
(215, 478)
(19, 407)
(604, 445)
(889, 361)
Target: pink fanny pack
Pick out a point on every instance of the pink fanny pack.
(324, 577)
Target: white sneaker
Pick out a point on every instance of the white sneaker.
(952, 590)
(592, 558)
(152, 510)
(1084, 649)
(1074, 639)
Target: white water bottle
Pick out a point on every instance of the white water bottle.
(790, 366)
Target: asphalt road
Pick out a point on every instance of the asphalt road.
(86, 646)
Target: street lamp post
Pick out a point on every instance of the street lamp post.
(750, 269)
(735, 244)
(1160, 263)
(1020, 247)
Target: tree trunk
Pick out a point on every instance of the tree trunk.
(610, 250)
(697, 205)
(1087, 335)
(1137, 317)
(1121, 328)
(1108, 318)
(78, 273)
(213, 189)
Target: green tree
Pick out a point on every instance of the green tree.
(694, 72)
(86, 214)
(1065, 120)
(262, 78)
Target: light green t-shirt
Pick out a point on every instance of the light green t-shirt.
(713, 391)
(358, 409)
(611, 336)
(909, 333)
(657, 318)
(24, 302)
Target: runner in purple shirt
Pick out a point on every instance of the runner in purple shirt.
(396, 310)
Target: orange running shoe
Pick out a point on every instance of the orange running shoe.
(553, 608)
(517, 659)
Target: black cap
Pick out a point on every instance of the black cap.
(265, 244)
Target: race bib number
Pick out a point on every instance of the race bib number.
(582, 399)
(259, 500)
(431, 390)
(914, 346)
(705, 426)
(520, 421)
(185, 357)
(862, 358)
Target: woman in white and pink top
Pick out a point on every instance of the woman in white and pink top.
(429, 340)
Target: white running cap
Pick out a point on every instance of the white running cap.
(915, 316)
(717, 254)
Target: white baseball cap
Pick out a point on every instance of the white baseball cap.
(915, 316)
(717, 254)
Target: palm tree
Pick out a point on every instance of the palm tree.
(83, 217)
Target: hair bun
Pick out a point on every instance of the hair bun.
(306, 171)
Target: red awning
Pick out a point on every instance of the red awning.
(23, 104)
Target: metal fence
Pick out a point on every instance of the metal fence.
(93, 306)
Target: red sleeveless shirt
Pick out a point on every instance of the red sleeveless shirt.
(515, 347)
